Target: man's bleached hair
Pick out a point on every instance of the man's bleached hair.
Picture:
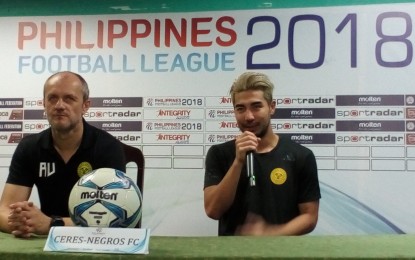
(252, 81)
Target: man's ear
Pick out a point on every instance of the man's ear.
(272, 106)
(85, 106)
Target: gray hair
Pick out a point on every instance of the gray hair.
(84, 84)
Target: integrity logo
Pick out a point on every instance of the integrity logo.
(225, 100)
(179, 114)
(177, 138)
(230, 125)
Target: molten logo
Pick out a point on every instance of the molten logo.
(99, 195)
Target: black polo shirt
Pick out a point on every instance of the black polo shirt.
(36, 162)
(277, 202)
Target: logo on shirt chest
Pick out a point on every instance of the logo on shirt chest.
(46, 169)
(278, 176)
(84, 168)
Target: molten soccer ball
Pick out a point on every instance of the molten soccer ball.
(105, 197)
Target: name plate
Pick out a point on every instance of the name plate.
(98, 240)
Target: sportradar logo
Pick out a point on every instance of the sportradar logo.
(84, 168)
(278, 176)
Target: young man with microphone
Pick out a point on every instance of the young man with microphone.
(260, 183)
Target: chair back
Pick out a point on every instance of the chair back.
(133, 154)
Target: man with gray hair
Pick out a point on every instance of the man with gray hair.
(55, 159)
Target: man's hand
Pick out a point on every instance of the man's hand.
(254, 225)
(304, 223)
(244, 143)
(26, 219)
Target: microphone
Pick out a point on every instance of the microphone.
(250, 167)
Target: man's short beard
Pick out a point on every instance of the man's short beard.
(263, 132)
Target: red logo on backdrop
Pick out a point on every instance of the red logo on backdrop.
(225, 100)
(410, 139)
(228, 125)
(162, 112)
(15, 138)
(17, 114)
(410, 113)
(173, 137)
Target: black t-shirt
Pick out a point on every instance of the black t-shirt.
(36, 162)
(285, 177)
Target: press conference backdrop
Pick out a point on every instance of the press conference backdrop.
(160, 72)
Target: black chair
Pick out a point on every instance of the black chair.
(133, 154)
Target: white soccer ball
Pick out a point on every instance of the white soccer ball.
(105, 197)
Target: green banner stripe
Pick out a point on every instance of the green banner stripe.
(91, 7)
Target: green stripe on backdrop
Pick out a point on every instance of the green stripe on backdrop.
(85, 7)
